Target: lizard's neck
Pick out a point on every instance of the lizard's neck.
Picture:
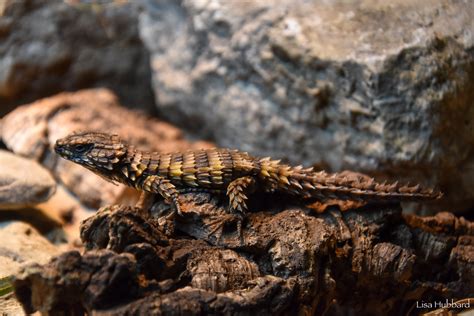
(130, 154)
(126, 171)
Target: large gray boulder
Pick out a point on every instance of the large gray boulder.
(381, 87)
(48, 46)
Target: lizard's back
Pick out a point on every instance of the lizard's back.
(211, 168)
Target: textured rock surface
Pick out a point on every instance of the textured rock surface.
(23, 182)
(47, 46)
(381, 87)
(288, 261)
(31, 130)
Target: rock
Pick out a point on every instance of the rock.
(31, 130)
(52, 46)
(23, 182)
(382, 88)
(61, 206)
(44, 221)
(10, 306)
(68, 211)
(57, 218)
(22, 244)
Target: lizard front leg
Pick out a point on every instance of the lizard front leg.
(163, 187)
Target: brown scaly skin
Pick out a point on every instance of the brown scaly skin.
(220, 170)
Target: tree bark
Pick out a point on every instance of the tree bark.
(290, 259)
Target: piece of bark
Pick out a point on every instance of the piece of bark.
(71, 282)
(264, 296)
(372, 260)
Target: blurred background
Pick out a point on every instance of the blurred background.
(383, 88)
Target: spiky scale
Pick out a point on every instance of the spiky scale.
(308, 186)
(283, 179)
(296, 184)
(125, 171)
(265, 173)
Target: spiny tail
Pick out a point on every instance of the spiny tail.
(320, 185)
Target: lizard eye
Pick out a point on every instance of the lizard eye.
(80, 149)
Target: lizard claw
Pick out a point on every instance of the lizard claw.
(177, 207)
(239, 230)
(217, 226)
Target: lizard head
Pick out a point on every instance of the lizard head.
(96, 151)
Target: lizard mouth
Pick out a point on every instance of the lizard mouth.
(67, 154)
(63, 152)
(59, 150)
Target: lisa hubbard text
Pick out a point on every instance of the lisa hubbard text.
(440, 304)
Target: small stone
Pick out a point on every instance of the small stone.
(10, 306)
(65, 209)
(21, 243)
(23, 182)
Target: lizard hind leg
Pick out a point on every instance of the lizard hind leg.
(237, 193)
